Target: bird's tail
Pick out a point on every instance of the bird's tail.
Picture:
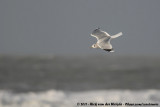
(117, 35)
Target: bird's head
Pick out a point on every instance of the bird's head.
(94, 46)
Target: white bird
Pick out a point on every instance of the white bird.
(103, 39)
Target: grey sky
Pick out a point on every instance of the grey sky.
(64, 26)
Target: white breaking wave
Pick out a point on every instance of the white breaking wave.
(54, 98)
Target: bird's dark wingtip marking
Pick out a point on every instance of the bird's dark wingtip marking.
(97, 29)
(108, 50)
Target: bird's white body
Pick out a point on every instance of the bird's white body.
(103, 40)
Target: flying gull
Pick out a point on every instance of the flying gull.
(103, 39)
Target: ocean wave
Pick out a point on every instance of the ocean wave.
(56, 98)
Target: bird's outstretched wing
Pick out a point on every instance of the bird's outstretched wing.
(99, 34)
(117, 35)
(105, 44)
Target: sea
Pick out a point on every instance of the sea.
(79, 81)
